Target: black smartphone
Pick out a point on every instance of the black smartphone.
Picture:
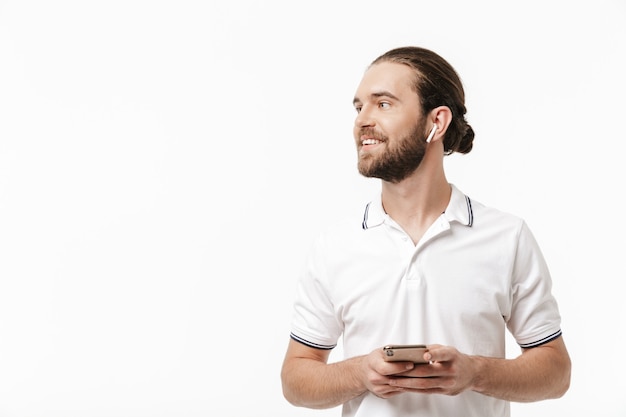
(405, 353)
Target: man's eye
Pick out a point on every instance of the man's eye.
(358, 109)
(384, 105)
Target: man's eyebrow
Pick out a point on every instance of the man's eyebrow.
(377, 94)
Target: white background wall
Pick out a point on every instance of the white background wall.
(164, 166)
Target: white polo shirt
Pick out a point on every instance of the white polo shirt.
(476, 272)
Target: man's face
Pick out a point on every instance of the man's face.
(389, 127)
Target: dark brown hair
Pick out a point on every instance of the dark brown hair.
(437, 84)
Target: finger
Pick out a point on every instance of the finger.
(437, 353)
(387, 390)
(394, 368)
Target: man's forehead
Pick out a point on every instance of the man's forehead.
(386, 78)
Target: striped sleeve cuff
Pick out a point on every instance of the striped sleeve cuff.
(311, 344)
(541, 341)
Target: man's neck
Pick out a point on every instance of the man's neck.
(416, 202)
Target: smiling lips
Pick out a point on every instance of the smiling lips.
(370, 142)
(370, 136)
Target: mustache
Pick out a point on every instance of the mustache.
(372, 133)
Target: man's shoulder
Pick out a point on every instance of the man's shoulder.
(481, 214)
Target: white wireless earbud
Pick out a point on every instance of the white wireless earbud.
(431, 134)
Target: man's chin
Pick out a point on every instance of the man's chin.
(369, 174)
(365, 170)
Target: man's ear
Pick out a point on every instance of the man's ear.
(440, 117)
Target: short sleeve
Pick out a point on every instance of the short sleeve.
(314, 321)
(535, 317)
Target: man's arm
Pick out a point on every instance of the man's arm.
(539, 373)
(309, 381)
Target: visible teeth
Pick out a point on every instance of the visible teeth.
(370, 142)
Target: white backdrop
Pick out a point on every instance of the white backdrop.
(164, 166)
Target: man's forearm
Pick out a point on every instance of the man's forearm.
(313, 384)
(540, 373)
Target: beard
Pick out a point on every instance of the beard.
(399, 160)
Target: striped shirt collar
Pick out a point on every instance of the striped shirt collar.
(459, 210)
